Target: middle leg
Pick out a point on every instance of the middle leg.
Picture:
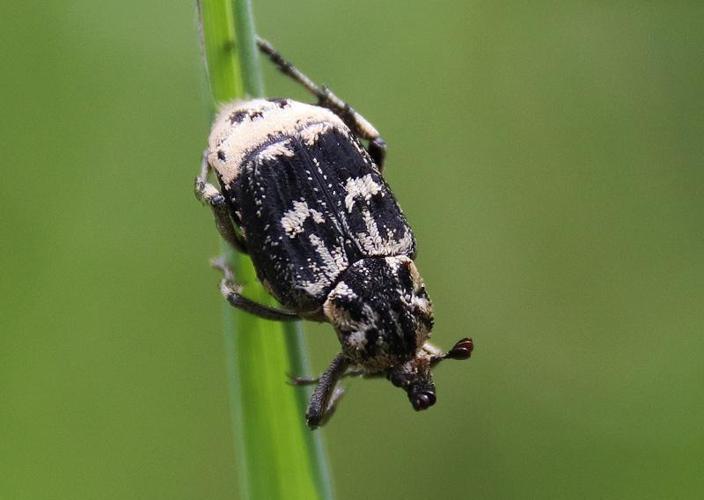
(297, 380)
(210, 195)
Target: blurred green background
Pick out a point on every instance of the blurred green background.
(549, 156)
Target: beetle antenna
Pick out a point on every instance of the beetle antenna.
(461, 350)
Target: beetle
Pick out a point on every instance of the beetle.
(307, 201)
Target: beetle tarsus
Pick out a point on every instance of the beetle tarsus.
(326, 395)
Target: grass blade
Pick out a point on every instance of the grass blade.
(278, 457)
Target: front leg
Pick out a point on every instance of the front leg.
(297, 380)
(326, 394)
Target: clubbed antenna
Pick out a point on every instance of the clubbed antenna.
(461, 350)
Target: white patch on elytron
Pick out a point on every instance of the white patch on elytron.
(293, 219)
(263, 119)
(396, 261)
(334, 261)
(276, 150)
(361, 187)
(343, 289)
(373, 243)
(312, 133)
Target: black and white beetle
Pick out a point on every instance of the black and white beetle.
(308, 203)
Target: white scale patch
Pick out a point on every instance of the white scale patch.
(375, 244)
(334, 261)
(311, 134)
(396, 261)
(372, 240)
(357, 339)
(276, 150)
(293, 220)
(358, 336)
(340, 317)
(258, 120)
(361, 187)
(343, 290)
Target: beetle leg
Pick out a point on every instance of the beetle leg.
(326, 394)
(302, 381)
(296, 380)
(332, 405)
(359, 125)
(231, 291)
(210, 195)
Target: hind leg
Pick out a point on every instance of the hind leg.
(359, 125)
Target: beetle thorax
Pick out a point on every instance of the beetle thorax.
(381, 312)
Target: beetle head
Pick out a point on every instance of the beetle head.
(415, 375)
(415, 378)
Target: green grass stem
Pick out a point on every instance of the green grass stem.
(278, 457)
